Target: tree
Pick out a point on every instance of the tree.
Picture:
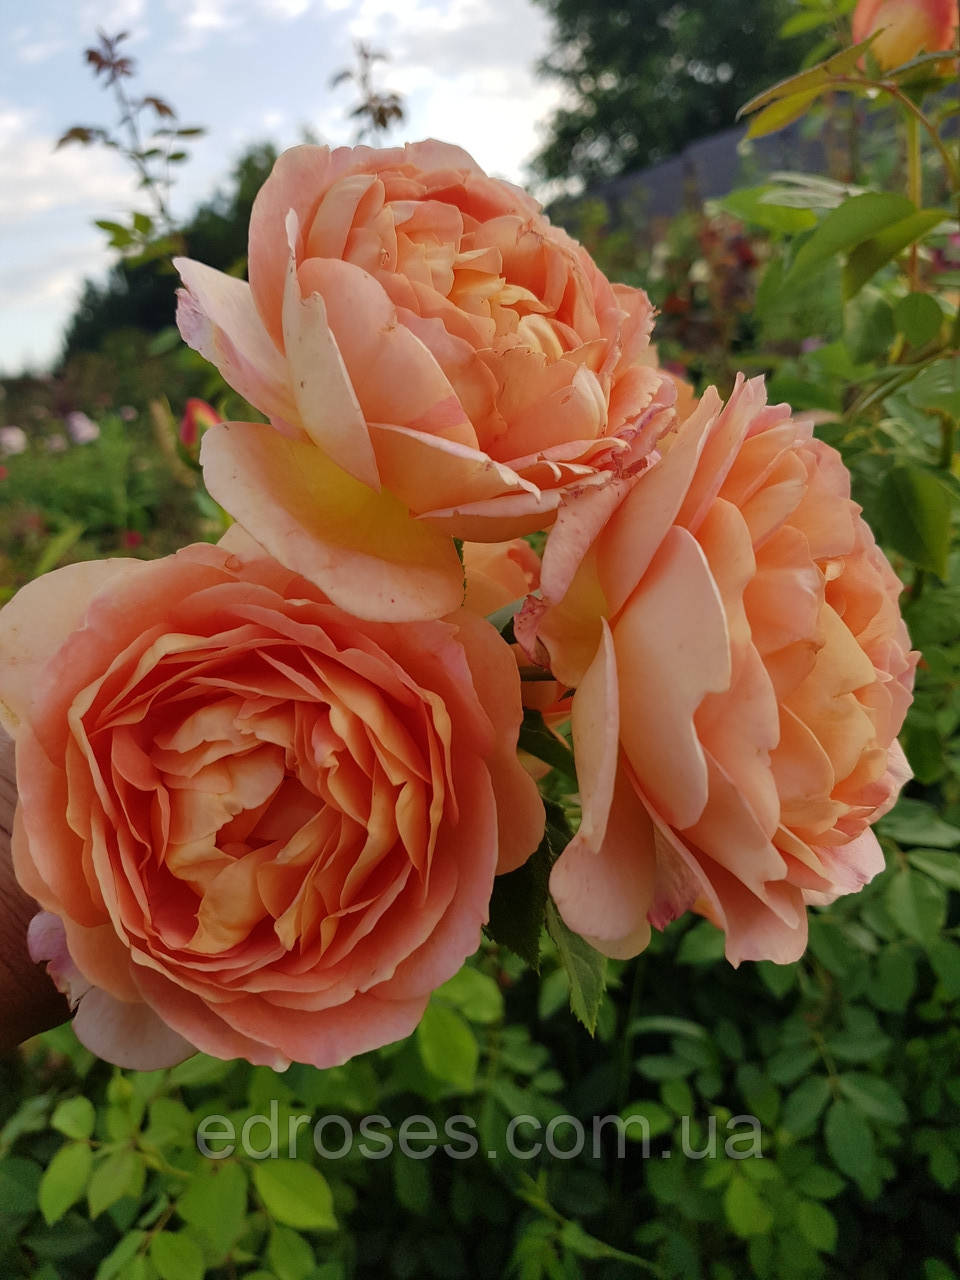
(142, 295)
(645, 77)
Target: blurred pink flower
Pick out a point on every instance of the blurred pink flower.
(12, 440)
(80, 428)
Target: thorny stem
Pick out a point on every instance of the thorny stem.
(128, 118)
(914, 189)
(887, 86)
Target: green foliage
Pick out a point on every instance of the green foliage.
(797, 1122)
(639, 85)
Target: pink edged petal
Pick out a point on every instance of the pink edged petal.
(38, 620)
(498, 574)
(721, 448)
(605, 894)
(672, 650)
(849, 866)
(754, 930)
(201, 1022)
(362, 548)
(581, 517)
(637, 528)
(898, 774)
(431, 154)
(395, 376)
(326, 402)
(457, 935)
(47, 944)
(298, 181)
(217, 317)
(331, 1037)
(596, 739)
(429, 473)
(128, 1035)
(241, 544)
(520, 812)
(47, 853)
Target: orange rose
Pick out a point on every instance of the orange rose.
(906, 28)
(256, 825)
(436, 360)
(742, 672)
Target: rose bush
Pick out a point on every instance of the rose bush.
(435, 359)
(256, 825)
(742, 671)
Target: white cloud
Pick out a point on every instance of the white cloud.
(48, 200)
(36, 178)
(112, 15)
(34, 51)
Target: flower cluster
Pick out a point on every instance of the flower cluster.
(265, 787)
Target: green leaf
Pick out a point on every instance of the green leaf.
(895, 979)
(939, 864)
(117, 1261)
(822, 1183)
(122, 1173)
(937, 387)
(74, 1117)
(580, 1242)
(448, 1047)
(872, 254)
(918, 317)
(65, 1180)
(176, 1257)
(851, 1145)
(916, 903)
(702, 944)
(873, 1096)
(817, 1225)
(758, 205)
(913, 822)
(215, 1203)
(539, 741)
(144, 224)
(475, 994)
(586, 969)
(853, 222)
(944, 957)
(869, 328)
(295, 1194)
(817, 77)
(56, 548)
(803, 1106)
(777, 978)
(657, 1120)
(519, 903)
(916, 516)
(745, 1211)
(289, 1255)
(783, 112)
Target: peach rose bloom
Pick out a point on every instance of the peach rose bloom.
(256, 825)
(742, 671)
(906, 27)
(436, 362)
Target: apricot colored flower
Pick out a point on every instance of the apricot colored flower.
(436, 361)
(255, 825)
(742, 671)
(906, 27)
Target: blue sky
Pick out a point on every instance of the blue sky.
(246, 70)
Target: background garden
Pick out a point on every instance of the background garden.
(840, 282)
